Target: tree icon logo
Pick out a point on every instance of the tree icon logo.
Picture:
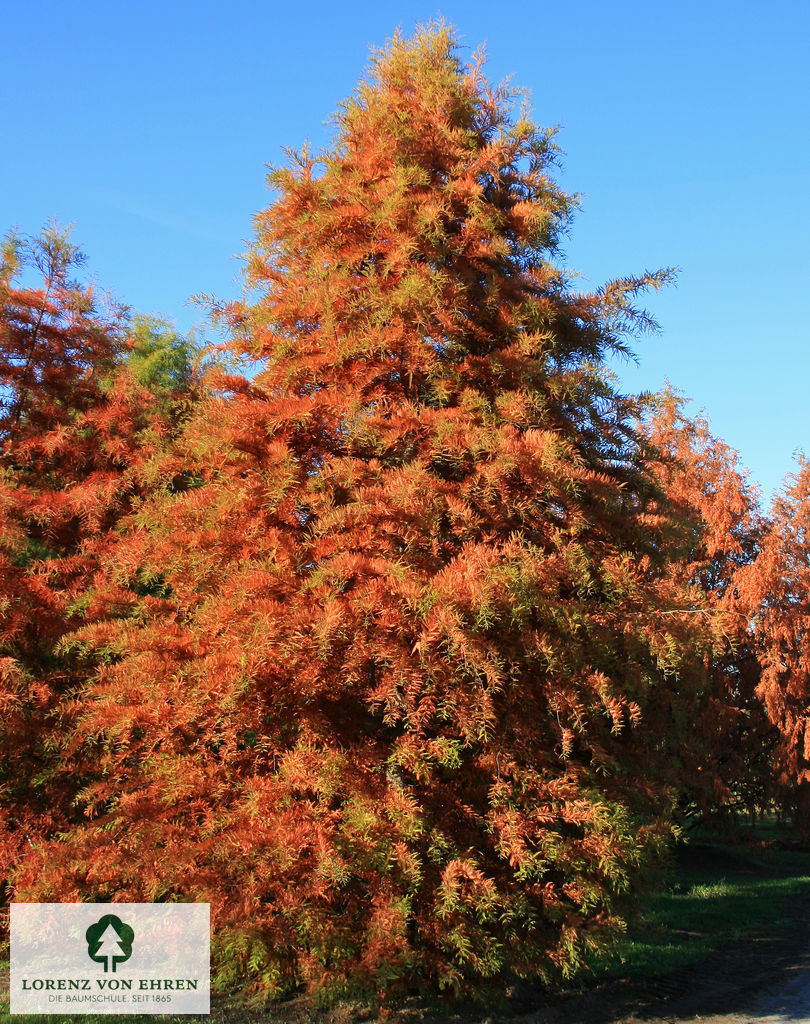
(109, 941)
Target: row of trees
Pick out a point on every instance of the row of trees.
(394, 631)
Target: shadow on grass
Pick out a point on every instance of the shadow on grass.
(707, 907)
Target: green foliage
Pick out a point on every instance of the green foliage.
(159, 358)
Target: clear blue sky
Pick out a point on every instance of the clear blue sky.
(685, 127)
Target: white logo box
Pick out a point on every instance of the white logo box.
(73, 958)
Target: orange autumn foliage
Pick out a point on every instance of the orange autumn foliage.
(77, 430)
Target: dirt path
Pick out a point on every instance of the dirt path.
(760, 984)
(784, 1002)
(777, 991)
(792, 1003)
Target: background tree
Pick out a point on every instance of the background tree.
(404, 686)
(775, 593)
(717, 526)
(87, 397)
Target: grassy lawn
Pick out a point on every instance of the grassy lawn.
(716, 894)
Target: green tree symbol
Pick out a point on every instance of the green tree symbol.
(109, 941)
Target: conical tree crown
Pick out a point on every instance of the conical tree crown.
(398, 702)
(412, 242)
(417, 250)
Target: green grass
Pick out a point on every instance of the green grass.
(707, 906)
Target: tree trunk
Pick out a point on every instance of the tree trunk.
(803, 813)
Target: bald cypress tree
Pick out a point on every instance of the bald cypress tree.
(714, 536)
(405, 695)
(775, 598)
(87, 397)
